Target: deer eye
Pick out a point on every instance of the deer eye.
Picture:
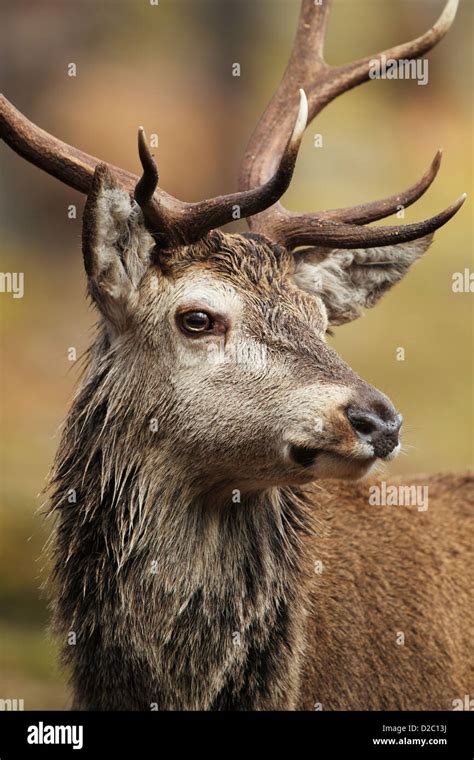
(195, 322)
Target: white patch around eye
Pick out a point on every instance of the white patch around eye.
(206, 293)
(210, 292)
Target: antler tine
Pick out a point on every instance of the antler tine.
(370, 212)
(293, 230)
(148, 182)
(218, 211)
(187, 222)
(154, 215)
(323, 83)
(351, 74)
(304, 65)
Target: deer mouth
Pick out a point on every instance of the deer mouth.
(319, 462)
(304, 455)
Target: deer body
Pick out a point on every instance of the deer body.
(396, 572)
(197, 484)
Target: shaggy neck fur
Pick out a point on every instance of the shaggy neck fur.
(175, 601)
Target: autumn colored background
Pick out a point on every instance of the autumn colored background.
(169, 67)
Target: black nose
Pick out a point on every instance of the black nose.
(378, 426)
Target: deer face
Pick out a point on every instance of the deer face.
(227, 339)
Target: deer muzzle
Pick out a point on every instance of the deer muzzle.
(379, 429)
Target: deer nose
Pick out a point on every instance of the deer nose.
(379, 426)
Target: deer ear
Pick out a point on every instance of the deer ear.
(349, 280)
(115, 245)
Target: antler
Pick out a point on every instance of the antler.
(186, 222)
(323, 83)
(168, 219)
(269, 160)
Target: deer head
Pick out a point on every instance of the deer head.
(220, 338)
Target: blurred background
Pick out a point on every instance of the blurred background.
(169, 67)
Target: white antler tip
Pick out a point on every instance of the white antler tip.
(303, 101)
(447, 17)
(301, 119)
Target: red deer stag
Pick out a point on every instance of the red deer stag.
(211, 403)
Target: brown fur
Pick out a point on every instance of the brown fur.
(391, 569)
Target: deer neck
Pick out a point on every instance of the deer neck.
(182, 601)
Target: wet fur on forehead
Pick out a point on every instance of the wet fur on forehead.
(260, 270)
(249, 259)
